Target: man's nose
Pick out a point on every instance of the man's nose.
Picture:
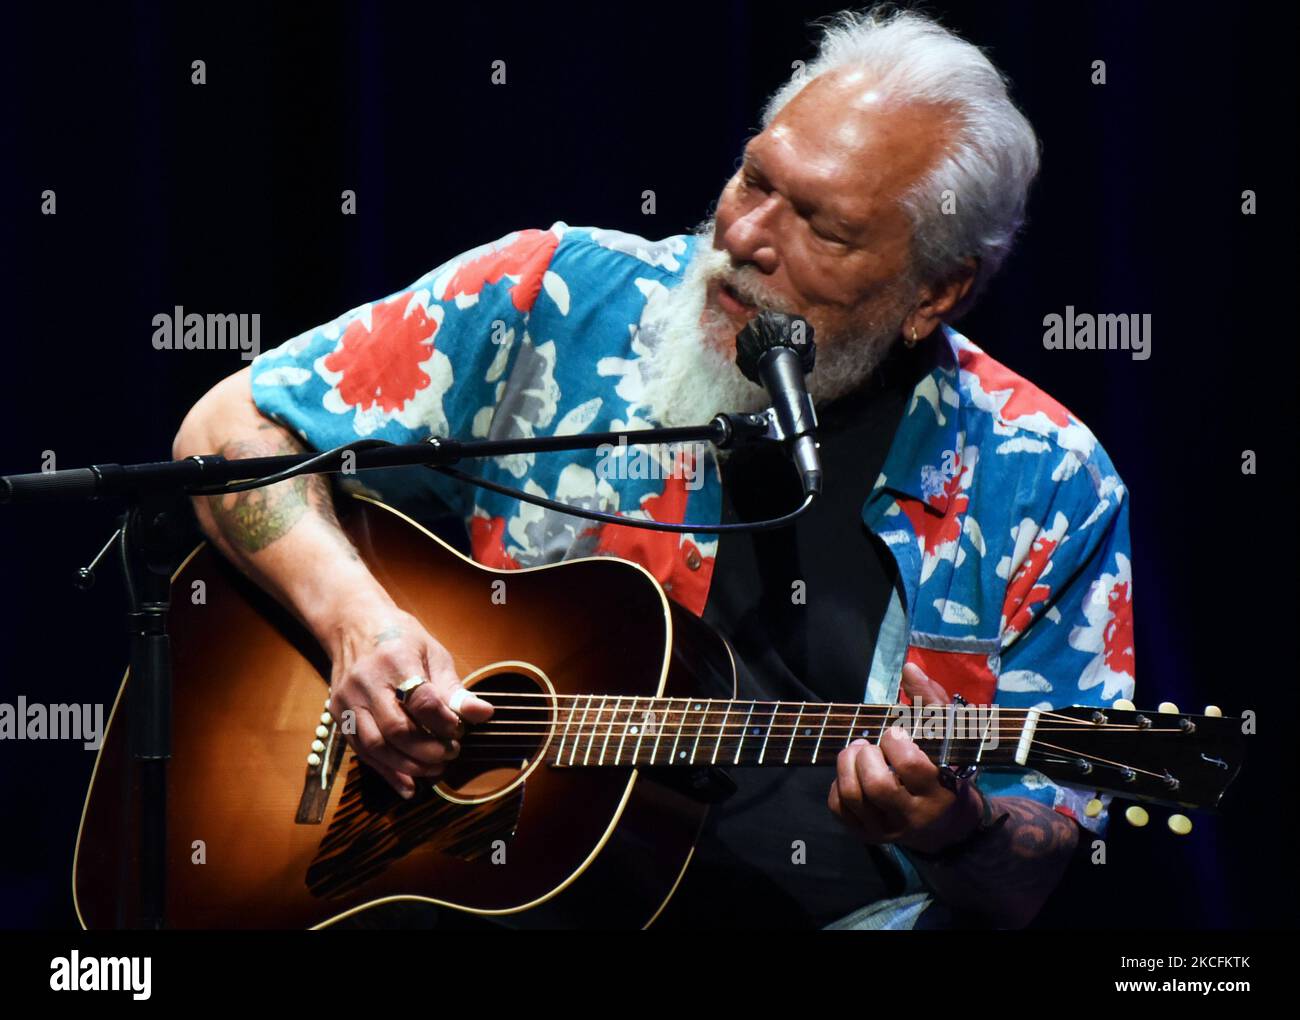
(751, 239)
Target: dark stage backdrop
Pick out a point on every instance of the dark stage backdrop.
(226, 197)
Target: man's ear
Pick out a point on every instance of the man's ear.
(936, 300)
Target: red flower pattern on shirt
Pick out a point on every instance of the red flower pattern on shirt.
(381, 365)
(526, 257)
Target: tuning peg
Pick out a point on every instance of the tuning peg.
(1214, 710)
(1168, 708)
(1124, 705)
(1093, 808)
(1136, 816)
(1179, 825)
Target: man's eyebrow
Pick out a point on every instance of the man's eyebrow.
(805, 208)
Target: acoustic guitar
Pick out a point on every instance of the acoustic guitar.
(577, 805)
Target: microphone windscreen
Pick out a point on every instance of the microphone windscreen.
(769, 330)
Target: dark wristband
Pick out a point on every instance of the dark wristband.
(987, 824)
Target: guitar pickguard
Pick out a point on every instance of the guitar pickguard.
(374, 827)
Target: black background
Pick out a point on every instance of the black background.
(225, 197)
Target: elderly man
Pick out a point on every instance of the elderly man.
(972, 538)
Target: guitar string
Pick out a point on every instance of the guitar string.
(741, 731)
(828, 722)
(840, 712)
(715, 748)
(1074, 756)
(575, 698)
(713, 729)
(1033, 758)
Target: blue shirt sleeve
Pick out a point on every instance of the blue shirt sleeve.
(1070, 639)
(427, 360)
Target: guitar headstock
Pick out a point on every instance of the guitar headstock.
(1165, 757)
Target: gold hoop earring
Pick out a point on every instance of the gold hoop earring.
(913, 341)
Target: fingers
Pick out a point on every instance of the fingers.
(912, 766)
(444, 705)
(867, 794)
(919, 686)
(434, 706)
(402, 733)
(398, 744)
(398, 770)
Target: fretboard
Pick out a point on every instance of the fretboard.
(599, 730)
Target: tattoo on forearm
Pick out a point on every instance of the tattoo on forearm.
(1011, 873)
(1036, 830)
(253, 520)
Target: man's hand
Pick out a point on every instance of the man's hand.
(1006, 878)
(287, 538)
(371, 659)
(892, 793)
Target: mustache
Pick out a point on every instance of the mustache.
(746, 280)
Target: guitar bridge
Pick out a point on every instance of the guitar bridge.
(322, 766)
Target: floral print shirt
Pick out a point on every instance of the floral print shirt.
(1006, 518)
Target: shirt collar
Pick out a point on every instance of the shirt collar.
(929, 429)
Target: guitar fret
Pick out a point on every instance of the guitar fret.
(578, 739)
(591, 737)
(613, 712)
(820, 733)
(672, 755)
(884, 724)
(794, 732)
(853, 726)
(660, 734)
(767, 733)
(649, 712)
(979, 751)
(559, 751)
(744, 731)
(623, 739)
(703, 719)
(721, 730)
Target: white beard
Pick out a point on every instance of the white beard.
(688, 374)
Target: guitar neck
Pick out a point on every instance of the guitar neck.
(1166, 757)
(593, 731)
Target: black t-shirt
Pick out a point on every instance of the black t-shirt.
(802, 607)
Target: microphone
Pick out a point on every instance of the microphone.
(775, 350)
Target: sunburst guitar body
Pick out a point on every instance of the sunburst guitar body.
(577, 804)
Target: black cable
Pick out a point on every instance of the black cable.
(631, 522)
(298, 469)
(525, 497)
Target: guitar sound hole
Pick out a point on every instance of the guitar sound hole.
(495, 755)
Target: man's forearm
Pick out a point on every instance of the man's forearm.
(286, 537)
(1008, 873)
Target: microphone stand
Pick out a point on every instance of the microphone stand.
(153, 532)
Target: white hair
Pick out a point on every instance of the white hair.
(990, 160)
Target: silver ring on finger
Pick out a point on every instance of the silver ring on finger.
(407, 687)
